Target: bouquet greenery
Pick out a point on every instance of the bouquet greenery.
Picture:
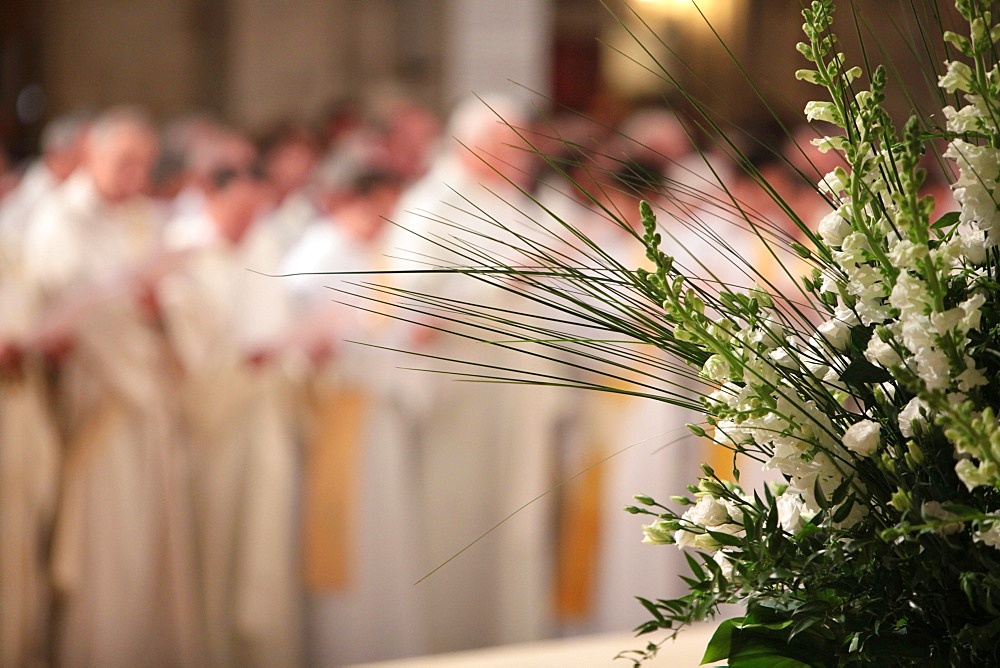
(880, 546)
(871, 392)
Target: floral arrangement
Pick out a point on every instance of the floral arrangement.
(871, 394)
(882, 544)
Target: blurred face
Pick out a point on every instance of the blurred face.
(120, 162)
(235, 206)
(501, 154)
(291, 166)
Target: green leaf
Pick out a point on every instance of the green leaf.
(947, 220)
(862, 372)
(718, 646)
(725, 538)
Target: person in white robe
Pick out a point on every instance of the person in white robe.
(288, 158)
(623, 445)
(358, 489)
(29, 478)
(62, 149)
(483, 450)
(121, 552)
(221, 319)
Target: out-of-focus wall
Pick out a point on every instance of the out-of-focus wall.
(99, 52)
(255, 61)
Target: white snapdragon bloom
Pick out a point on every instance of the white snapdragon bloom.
(827, 144)
(910, 294)
(973, 476)
(820, 111)
(836, 332)
(989, 534)
(717, 368)
(905, 254)
(916, 411)
(834, 182)
(966, 246)
(933, 368)
(966, 119)
(932, 510)
(862, 437)
(971, 307)
(958, 77)
(976, 187)
(880, 352)
(834, 227)
(971, 377)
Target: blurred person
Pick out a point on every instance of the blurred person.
(811, 166)
(62, 151)
(358, 487)
(235, 396)
(656, 136)
(482, 450)
(217, 148)
(411, 132)
(342, 118)
(121, 553)
(9, 177)
(288, 155)
(29, 477)
(622, 443)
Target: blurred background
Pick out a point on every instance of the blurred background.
(256, 62)
(197, 471)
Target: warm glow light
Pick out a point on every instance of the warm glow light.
(678, 8)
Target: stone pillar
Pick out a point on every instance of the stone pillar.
(490, 44)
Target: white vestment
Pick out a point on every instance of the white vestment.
(15, 212)
(29, 483)
(483, 449)
(121, 552)
(238, 427)
(350, 612)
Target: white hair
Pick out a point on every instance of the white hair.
(476, 117)
(62, 132)
(115, 119)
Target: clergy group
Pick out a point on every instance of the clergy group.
(212, 452)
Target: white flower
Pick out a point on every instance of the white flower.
(971, 377)
(971, 307)
(975, 476)
(708, 512)
(904, 255)
(934, 511)
(657, 533)
(916, 411)
(717, 368)
(966, 119)
(933, 368)
(820, 111)
(880, 352)
(725, 565)
(862, 437)
(792, 512)
(835, 332)
(989, 534)
(834, 228)
(958, 77)
(834, 182)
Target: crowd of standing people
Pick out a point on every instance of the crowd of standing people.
(199, 467)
